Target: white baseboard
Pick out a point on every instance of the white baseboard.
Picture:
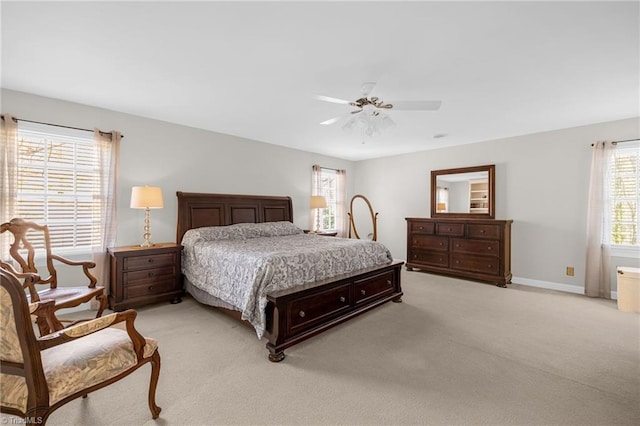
(554, 286)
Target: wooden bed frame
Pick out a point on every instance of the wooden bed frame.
(296, 314)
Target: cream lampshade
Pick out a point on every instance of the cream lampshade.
(318, 202)
(146, 197)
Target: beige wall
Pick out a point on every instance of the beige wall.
(179, 158)
(541, 183)
(541, 180)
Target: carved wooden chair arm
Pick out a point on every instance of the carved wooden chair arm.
(86, 265)
(30, 279)
(46, 309)
(89, 327)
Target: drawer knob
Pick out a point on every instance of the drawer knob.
(415, 256)
(388, 282)
(150, 288)
(482, 231)
(457, 245)
(151, 260)
(302, 314)
(489, 248)
(489, 266)
(441, 243)
(150, 274)
(457, 261)
(421, 228)
(362, 292)
(343, 299)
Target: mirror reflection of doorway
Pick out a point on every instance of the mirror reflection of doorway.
(361, 212)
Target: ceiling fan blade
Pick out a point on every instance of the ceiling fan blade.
(367, 88)
(416, 105)
(330, 99)
(332, 120)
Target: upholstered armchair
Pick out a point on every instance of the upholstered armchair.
(40, 374)
(23, 253)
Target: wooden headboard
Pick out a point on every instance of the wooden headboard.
(197, 210)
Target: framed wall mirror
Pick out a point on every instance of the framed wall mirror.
(467, 192)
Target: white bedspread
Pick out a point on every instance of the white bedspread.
(240, 264)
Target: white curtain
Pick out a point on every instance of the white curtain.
(8, 176)
(109, 152)
(598, 264)
(342, 221)
(316, 189)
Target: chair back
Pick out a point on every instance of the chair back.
(22, 370)
(21, 247)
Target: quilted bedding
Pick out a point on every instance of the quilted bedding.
(240, 264)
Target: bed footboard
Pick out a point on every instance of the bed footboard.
(297, 314)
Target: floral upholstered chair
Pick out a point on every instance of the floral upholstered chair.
(23, 253)
(40, 374)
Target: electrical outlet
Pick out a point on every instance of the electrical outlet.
(570, 271)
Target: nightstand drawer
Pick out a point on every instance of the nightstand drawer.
(153, 261)
(149, 289)
(148, 275)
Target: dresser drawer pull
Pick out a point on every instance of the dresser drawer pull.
(482, 231)
(151, 260)
(457, 245)
(388, 282)
(489, 266)
(489, 248)
(150, 288)
(441, 243)
(150, 274)
(415, 256)
(421, 228)
(302, 314)
(457, 261)
(362, 292)
(343, 299)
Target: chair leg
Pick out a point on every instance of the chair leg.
(103, 304)
(155, 374)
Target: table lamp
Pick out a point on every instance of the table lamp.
(146, 197)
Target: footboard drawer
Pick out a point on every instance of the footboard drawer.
(310, 310)
(374, 287)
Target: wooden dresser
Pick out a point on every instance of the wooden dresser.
(142, 275)
(475, 249)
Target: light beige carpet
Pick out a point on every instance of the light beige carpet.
(453, 353)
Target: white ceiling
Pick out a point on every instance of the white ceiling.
(251, 69)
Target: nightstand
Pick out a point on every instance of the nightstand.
(142, 275)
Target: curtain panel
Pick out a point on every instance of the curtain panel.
(598, 263)
(8, 176)
(108, 145)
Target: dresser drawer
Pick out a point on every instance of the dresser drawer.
(429, 258)
(372, 287)
(150, 289)
(429, 242)
(149, 275)
(488, 247)
(152, 261)
(483, 231)
(473, 263)
(453, 229)
(422, 227)
(310, 310)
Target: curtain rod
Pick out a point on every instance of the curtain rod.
(59, 125)
(617, 142)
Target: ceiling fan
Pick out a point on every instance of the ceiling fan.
(374, 105)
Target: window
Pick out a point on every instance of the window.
(625, 194)
(58, 176)
(327, 186)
